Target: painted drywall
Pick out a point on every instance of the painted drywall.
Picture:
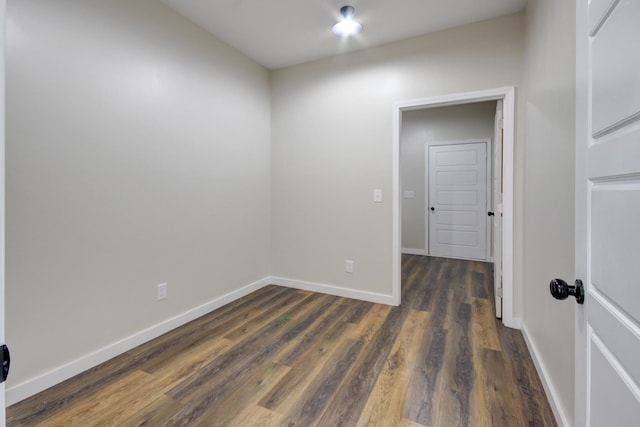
(332, 145)
(420, 129)
(549, 191)
(137, 153)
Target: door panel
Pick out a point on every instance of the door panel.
(456, 178)
(620, 339)
(458, 218)
(457, 238)
(616, 155)
(607, 212)
(616, 67)
(615, 257)
(612, 401)
(458, 200)
(457, 158)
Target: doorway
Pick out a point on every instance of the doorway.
(507, 96)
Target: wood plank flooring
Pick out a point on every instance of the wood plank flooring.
(285, 357)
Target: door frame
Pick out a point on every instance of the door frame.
(507, 95)
(496, 203)
(488, 199)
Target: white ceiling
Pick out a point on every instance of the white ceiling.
(279, 33)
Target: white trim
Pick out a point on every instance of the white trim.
(496, 200)
(334, 290)
(42, 382)
(508, 120)
(514, 323)
(35, 385)
(489, 205)
(543, 373)
(507, 94)
(410, 251)
(396, 209)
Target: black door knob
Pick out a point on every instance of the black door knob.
(432, 208)
(490, 213)
(5, 362)
(561, 290)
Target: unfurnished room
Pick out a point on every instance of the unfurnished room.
(412, 213)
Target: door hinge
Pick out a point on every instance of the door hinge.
(499, 292)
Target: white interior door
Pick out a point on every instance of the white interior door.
(497, 210)
(458, 200)
(608, 212)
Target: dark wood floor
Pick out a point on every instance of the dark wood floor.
(284, 357)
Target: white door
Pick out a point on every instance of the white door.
(608, 212)
(457, 209)
(497, 210)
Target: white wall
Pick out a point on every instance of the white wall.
(549, 192)
(332, 145)
(137, 153)
(421, 128)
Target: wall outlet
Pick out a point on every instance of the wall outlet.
(161, 291)
(349, 266)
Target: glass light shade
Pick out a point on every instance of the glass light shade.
(347, 27)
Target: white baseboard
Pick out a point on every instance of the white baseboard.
(334, 290)
(410, 251)
(513, 323)
(35, 385)
(42, 382)
(543, 373)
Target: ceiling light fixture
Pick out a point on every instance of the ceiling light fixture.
(347, 27)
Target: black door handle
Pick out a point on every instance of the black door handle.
(432, 208)
(5, 362)
(561, 290)
(490, 213)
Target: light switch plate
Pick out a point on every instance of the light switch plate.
(377, 196)
(161, 291)
(349, 266)
(409, 194)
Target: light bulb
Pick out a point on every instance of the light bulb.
(347, 27)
